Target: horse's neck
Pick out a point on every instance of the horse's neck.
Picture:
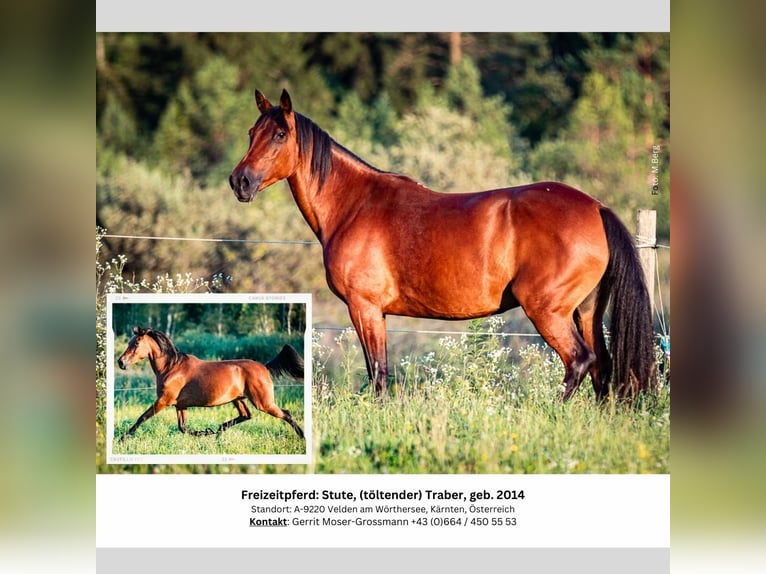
(324, 209)
(304, 191)
(159, 362)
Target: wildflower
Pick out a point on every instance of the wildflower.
(354, 451)
(495, 322)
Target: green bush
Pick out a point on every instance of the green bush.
(258, 347)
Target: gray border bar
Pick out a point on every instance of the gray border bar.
(385, 560)
(389, 16)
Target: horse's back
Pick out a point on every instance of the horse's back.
(244, 368)
(554, 200)
(454, 256)
(405, 211)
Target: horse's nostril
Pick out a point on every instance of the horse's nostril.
(239, 182)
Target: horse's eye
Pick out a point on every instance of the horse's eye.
(280, 135)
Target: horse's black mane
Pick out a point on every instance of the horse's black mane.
(167, 347)
(313, 139)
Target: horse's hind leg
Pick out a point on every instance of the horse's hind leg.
(259, 388)
(285, 415)
(270, 407)
(588, 319)
(244, 414)
(560, 333)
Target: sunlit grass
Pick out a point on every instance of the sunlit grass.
(466, 408)
(159, 435)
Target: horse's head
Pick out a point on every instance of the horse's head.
(273, 152)
(139, 347)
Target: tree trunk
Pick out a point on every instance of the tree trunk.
(455, 48)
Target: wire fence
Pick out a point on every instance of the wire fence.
(214, 240)
(641, 243)
(432, 332)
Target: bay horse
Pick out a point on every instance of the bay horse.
(391, 246)
(186, 381)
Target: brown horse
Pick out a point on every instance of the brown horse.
(393, 247)
(185, 381)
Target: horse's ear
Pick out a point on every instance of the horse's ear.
(285, 102)
(136, 330)
(261, 101)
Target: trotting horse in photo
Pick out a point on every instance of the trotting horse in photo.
(185, 381)
(393, 247)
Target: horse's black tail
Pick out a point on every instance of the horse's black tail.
(287, 362)
(631, 329)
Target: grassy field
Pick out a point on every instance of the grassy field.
(262, 434)
(469, 405)
(468, 408)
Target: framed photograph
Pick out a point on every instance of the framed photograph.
(210, 378)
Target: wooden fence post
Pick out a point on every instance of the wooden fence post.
(646, 239)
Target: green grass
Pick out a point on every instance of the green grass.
(467, 409)
(468, 406)
(262, 434)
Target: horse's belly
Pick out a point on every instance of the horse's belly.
(209, 392)
(459, 298)
(458, 266)
(450, 285)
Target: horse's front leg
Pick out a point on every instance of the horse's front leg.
(370, 325)
(158, 405)
(181, 417)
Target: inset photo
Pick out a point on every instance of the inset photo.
(212, 378)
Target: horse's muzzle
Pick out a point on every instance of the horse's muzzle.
(244, 184)
(122, 364)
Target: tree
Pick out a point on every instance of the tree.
(601, 150)
(639, 63)
(142, 71)
(203, 124)
(537, 72)
(463, 92)
(455, 139)
(273, 61)
(118, 129)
